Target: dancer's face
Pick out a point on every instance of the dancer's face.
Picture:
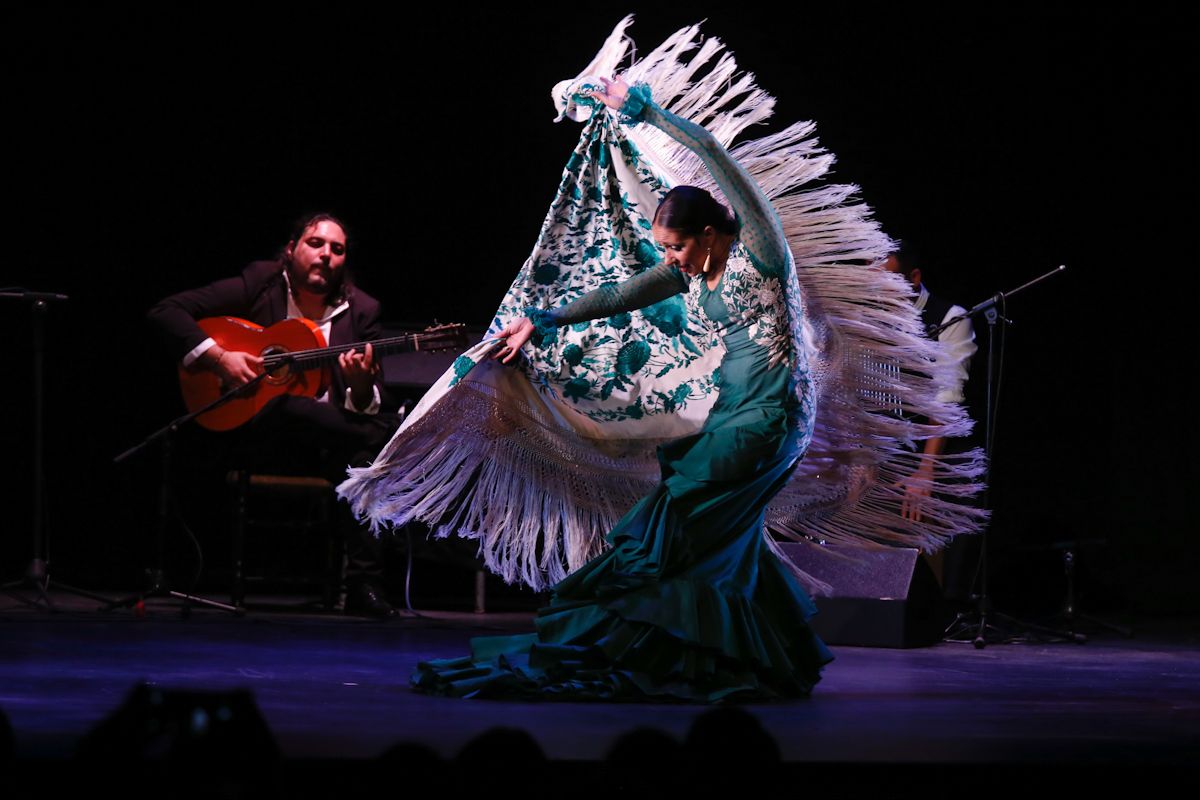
(317, 258)
(684, 251)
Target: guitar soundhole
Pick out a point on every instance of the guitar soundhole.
(282, 373)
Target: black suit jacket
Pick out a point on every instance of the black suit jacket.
(259, 295)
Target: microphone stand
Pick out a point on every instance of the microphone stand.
(984, 624)
(37, 574)
(158, 585)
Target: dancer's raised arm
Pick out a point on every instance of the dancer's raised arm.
(761, 231)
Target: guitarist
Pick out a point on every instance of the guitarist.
(343, 427)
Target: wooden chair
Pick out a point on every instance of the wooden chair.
(304, 493)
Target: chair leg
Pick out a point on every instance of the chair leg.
(334, 566)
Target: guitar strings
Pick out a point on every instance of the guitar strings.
(320, 354)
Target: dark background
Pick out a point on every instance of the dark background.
(151, 153)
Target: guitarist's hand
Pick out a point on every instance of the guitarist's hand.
(233, 367)
(360, 370)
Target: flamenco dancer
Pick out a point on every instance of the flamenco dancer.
(681, 344)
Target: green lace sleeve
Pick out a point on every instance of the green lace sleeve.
(761, 232)
(647, 288)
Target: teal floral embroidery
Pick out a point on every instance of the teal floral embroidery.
(546, 273)
(462, 365)
(647, 253)
(577, 388)
(632, 357)
(633, 156)
(582, 98)
(669, 316)
(629, 365)
(602, 155)
(621, 320)
(573, 355)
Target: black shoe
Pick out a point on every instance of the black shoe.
(366, 600)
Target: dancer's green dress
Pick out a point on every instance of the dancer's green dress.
(688, 603)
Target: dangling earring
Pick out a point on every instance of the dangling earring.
(707, 261)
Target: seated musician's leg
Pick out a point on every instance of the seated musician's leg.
(320, 437)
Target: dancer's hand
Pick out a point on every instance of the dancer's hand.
(614, 93)
(515, 335)
(917, 489)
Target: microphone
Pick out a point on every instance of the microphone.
(36, 297)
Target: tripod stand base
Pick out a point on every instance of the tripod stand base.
(1073, 622)
(37, 580)
(981, 628)
(159, 588)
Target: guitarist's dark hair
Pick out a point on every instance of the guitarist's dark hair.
(346, 284)
(908, 256)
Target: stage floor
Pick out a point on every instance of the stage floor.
(334, 687)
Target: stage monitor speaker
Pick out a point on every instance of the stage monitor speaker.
(421, 369)
(881, 598)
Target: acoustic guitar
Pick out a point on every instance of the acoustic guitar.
(295, 357)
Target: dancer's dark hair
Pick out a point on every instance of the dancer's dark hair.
(690, 210)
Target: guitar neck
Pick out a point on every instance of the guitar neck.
(308, 359)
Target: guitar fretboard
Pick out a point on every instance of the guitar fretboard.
(410, 341)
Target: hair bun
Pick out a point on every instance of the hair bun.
(690, 209)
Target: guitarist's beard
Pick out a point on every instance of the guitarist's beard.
(319, 281)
